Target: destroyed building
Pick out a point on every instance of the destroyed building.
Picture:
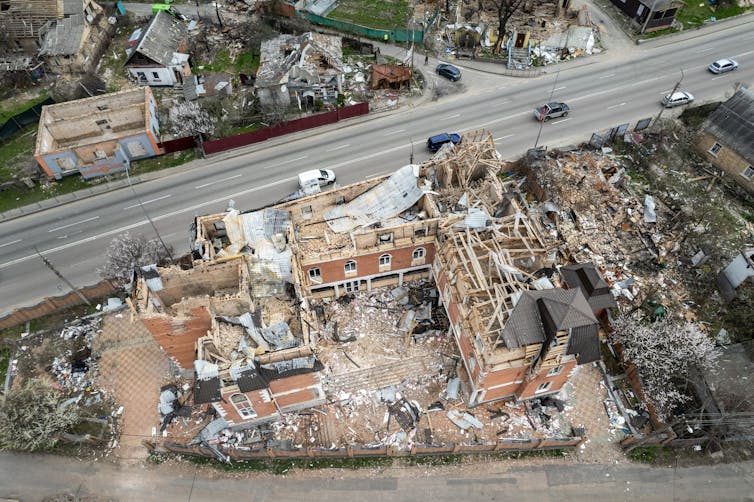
(300, 71)
(727, 138)
(68, 36)
(160, 56)
(98, 135)
(452, 221)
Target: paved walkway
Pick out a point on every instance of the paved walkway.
(588, 393)
(132, 369)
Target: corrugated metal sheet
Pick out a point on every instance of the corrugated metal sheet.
(391, 197)
(161, 39)
(64, 39)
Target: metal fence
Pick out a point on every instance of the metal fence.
(21, 120)
(248, 138)
(57, 303)
(622, 130)
(360, 451)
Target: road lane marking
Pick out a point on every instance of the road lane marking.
(376, 175)
(147, 202)
(560, 121)
(559, 88)
(616, 106)
(451, 116)
(337, 148)
(608, 76)
(394, 132)
(505, 102)
(503, 137)
(72, 224)
(218, 181)
(719, 76)
(9, 243)
(289, 161)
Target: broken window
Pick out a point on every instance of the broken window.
(155, 75)
(350, 267)
(748, 172)
(543, 387)
(557, 370)
(306, 210)
(352, 286)
(715, 149)
(315, 275)
(242, 404)
(340, 200)
(385, 238)
(420, 232)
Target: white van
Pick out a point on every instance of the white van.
(315, 178)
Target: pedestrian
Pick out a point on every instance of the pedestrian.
(426, 59)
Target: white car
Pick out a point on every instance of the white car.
(677, 99)
(316, 177)
(723, 65)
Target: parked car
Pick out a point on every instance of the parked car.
(551, 111)
(316, 177)
(448, 71)
(677, 99)
(722, 66)
(435, 142)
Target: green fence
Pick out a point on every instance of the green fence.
(384, 35)
(21, 120)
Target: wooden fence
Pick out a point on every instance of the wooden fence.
(509, 445)
(57, 303)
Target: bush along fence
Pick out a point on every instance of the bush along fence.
(57, 303)
(248, 138)
(358, 451)
(21, 120)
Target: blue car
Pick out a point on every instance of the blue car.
(435, 142)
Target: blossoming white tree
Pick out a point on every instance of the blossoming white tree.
(664, 352)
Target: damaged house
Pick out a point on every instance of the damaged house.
(650, 15)
(300, 71)
(727, 138)
(160, 56)
(229, 320)
(69, 36)
(98, 135)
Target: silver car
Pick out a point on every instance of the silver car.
(723, 65)
(677, 99)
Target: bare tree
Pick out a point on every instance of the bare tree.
(665, 353)
(504, 9)
(32, 418)
(189, 119)
(127, 252)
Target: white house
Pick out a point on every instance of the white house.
(160, 58)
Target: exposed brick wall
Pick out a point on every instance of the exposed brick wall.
(528, 389)
(726, 159)
(369, 264)
(178, 337)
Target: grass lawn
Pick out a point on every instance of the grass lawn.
(379, 14)
(14, 106)
(245, 62)
(695, 12)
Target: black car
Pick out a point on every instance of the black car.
(448, 71)
(551, 111)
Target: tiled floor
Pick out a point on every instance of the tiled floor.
(589, 412)
(132, 368)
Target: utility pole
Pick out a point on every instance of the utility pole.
(411, 156)
(61, 277)
(662, 107)
(154, 227)
(542, 119)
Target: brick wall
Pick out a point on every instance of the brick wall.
(368, 264)
(726, 159)
(177, 337)
(528, 389)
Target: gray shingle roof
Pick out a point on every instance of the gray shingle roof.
(567, 308)
(584, 342)
(161, 39)
(207, 391)
(586, 277)
(733, 123)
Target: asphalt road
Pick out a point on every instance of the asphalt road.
(602, 91)
(34, 477)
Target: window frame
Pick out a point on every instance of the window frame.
(543, 387)
(557, 370)
(243, 411)
(315, 275)
(715, 149)
(750, 169)
(350, 267)
(419, 254)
